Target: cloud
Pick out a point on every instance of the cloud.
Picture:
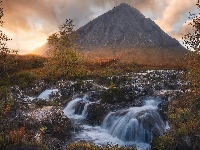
(20, 13)
(30, 21)
(183, 30)
(175, 11)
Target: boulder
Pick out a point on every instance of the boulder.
(96, 112)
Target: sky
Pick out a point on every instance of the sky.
(30, 22)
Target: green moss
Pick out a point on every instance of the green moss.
(112, 95)
(165, 142)
(4, 140)
(78, 85)
(23, 79)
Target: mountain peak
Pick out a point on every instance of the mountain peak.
(126, 9)
(124, 28)
(124, 5)
(125, 32)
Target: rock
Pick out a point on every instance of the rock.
(93, 96)
(151, 121)
(52, 121)
(32, 124)
(79, 108)
(56, 144)
(163, 109)
(59, 126)
(184, 143)
(96, 112)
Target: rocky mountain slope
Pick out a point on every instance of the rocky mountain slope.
(125, 33)
(124, 27)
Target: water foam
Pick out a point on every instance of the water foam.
(126, 127)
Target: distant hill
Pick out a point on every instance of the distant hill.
(125, 33)
(42, 50)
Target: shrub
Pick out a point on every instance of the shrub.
(17, 135)
(165, 142)
(65, 60)
(184, 113)
(23, 78)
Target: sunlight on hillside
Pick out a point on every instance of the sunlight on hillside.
(25, 43)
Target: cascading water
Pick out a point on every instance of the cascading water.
(84, 112)
(137, 124)
(126, 127)
(69, 110)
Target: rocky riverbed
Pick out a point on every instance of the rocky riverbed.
(67, 109)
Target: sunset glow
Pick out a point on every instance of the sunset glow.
(29, 23)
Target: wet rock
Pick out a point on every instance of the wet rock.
(79, 107)
(96, 112)
(56, 144)
(38, 102)
(163, 109)
(51, 121)
(152, 122)
(93, 96)
(32, 124)
(58, 125)
(39, 86)
(184, 143)
(119, 106)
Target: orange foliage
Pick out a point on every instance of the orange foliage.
(7, 109)
(17, 135)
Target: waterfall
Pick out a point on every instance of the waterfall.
(126, 127)
(138, 124)
(45, 94)
(84, 112)
(69, 110)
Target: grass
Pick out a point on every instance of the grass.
(25, 69)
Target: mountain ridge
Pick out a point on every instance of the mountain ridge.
(124, 32)
(123, 25)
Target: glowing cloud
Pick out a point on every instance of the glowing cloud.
(29, 23)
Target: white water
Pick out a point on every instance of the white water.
(84, 113)
(135, 123)
(69, 110)
(126, 127)
(45, 94)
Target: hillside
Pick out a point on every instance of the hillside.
(125, 33)
(42, 50)
(124, 27)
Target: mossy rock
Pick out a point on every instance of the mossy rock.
(112, 95)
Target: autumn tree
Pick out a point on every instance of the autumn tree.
(184, 113)
(5, 58)
(192, 41)
(65, 59)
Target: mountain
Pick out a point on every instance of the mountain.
(125, 33)
(124, 27)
